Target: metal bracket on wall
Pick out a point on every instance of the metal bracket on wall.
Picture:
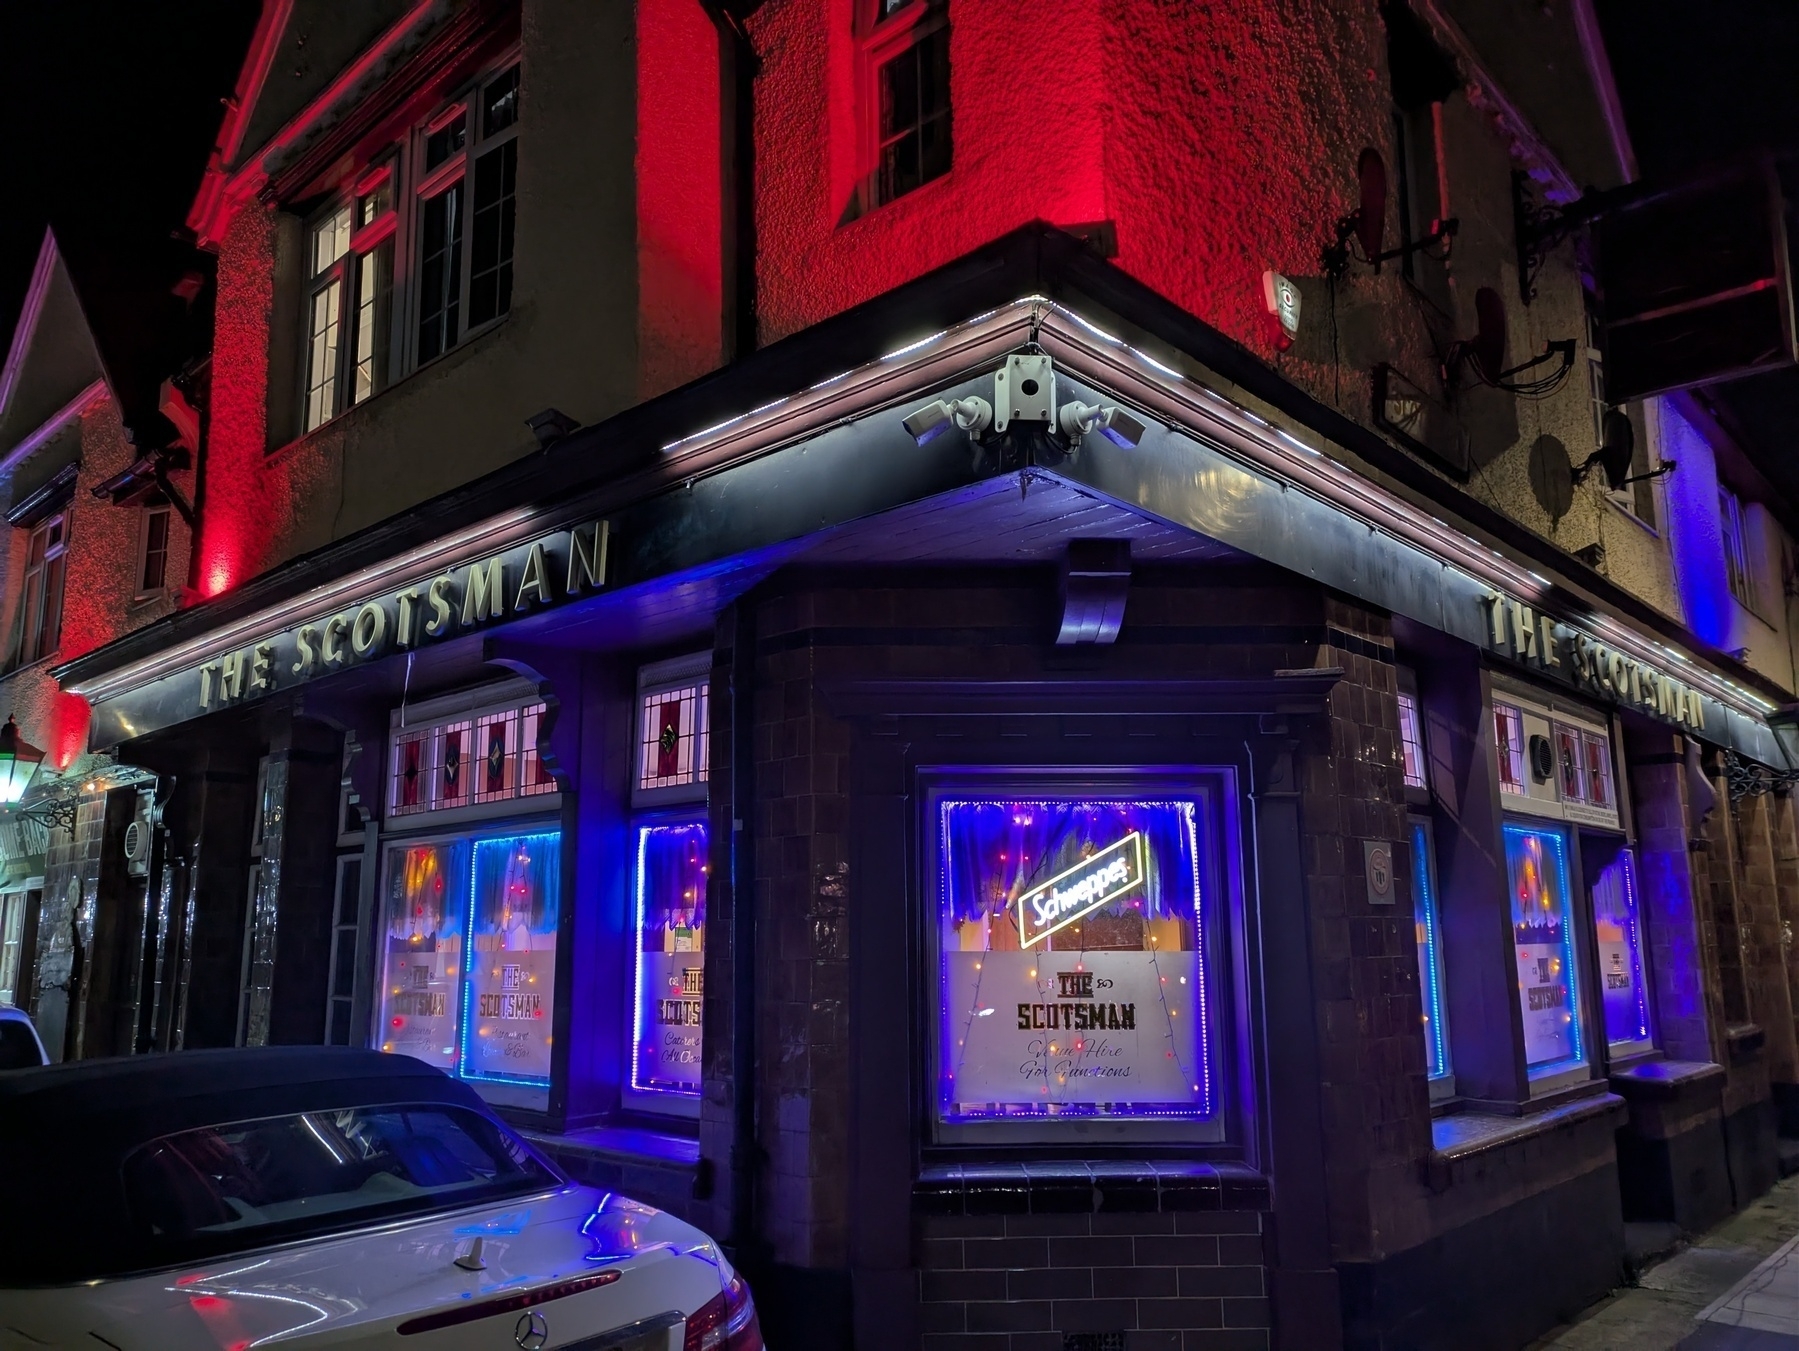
(1747, 779)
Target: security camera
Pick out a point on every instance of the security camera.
(1116, 425)
(972, 415)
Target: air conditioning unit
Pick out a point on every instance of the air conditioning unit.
(137, 836)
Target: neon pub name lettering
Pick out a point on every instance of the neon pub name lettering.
(1517, 631)
(1082, 889)
(463, 597)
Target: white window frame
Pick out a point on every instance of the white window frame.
(515, 705)
(681, 674)
(384, 206)
(886, 31)
(146, 514)
(1739, 560)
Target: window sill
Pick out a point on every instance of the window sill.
(1466, 1135)
(49, 660)
(628, 1145)
(1664, 1080)
(1077, 1187)
(1632, 517)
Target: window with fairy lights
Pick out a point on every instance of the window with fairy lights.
(672, 870)
(468, 975)
(1074, 948)
(1543, 934)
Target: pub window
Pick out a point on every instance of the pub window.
(672, 867)
(1427, 921)
(40, 610)
(1074, 943)
(1542, 913)
(1508, 731)
(1411, 742)
(1618, 939)
(673, 739)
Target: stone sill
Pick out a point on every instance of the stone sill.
(1468, 1134)
(1744, 1041)
(622, 1145)
(1666, 1080)
(1076, 1187)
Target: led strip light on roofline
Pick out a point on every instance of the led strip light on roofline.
(1177, 399)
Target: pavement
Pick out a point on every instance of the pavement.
(1733, 1289)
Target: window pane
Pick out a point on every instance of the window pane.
(29, 634)
(499, 103)
(1572, 763)
(1430, 956)
(513, 921)
(1543, 933)
(1071, 941)
(156, 549)
(490, 265)
(446, 141)
(440, 272)
(1411, 742)
(1599, 771)
(422, 965)
(330, 239)
(374, 306)
(672, 864)
(1508, 729)
(376, 202)
(1617, 929)
(53, 579)
(321, 359)
(914, 93)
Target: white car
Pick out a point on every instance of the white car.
(311, 1196)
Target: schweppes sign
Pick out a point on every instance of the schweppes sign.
(1095, 881)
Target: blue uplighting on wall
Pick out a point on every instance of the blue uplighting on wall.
(1430, 960)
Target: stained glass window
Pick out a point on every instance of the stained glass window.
(458, 761)
(1543, 935)
(673, 739)
(1508, 729)
(672, 869)
(1073, 950)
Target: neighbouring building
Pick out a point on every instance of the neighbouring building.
(1055, 679)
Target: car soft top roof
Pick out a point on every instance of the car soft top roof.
(128, 1082)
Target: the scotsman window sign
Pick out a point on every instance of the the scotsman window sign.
(530, 576)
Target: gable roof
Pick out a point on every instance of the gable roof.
(53, 361)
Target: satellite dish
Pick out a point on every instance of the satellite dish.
(1488, 345)
(1371, 216)
(1618, 449)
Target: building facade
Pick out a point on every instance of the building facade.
(1079, 746)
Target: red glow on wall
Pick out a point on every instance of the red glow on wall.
(68, 724)
(679, 194)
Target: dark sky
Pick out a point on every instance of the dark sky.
(112, 108)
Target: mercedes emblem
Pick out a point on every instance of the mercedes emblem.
(532, 1331)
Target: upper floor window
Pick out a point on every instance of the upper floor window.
(153, 548)
(478, 757)
(40, 611)
(673, 734)
(903, 74)
(1736, 548)
(426, 232)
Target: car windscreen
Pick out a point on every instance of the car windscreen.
(216, 1190)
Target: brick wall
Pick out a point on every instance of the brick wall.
(1167, 1282)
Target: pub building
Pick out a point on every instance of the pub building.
(995, 803)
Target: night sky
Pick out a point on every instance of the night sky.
(112, 108)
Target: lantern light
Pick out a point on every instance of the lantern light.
(19, 761)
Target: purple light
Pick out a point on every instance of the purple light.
(1617, 925)
(673, 861)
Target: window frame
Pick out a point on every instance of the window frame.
(1427, 911)
(393, 232)
(678, 674)
(1739, 563)
(40, 639)
(636, 1095)
(883, 35)
(148, 512)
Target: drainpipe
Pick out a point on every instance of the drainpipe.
(738, 66)
(745, 1153)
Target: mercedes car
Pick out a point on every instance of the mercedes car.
(302, 1196)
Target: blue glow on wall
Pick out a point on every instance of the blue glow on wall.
(1695, 531)
(1430, 958)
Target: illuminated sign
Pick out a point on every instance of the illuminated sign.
(526, 577)
(1525, 635)
(1080, 890)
